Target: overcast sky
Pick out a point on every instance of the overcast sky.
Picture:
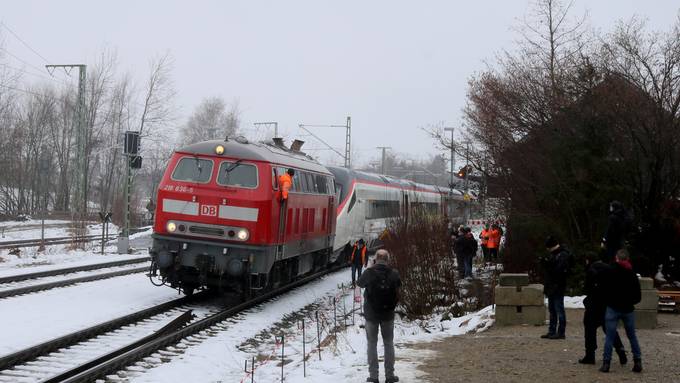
(394, 66)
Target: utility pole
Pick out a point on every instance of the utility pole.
(382, 162)
(453, 159)
(467, 172)
(268, 124)
(80, 198)
(348, 143)
(348, 139)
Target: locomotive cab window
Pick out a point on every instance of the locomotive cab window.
(352, 201)
(193, 169)
(237, 174)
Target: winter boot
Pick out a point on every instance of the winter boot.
(589, 358)
(547, 336)
(637, 365)
(392, 379)
(605, 366)
(623, 359)
(372, 380)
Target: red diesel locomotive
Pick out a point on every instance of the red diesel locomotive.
(220, 223)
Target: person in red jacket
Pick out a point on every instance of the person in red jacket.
(358, 259)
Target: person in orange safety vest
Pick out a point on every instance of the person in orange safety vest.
(484, 236)
(358, 259)
(285, 183)
(494, 241)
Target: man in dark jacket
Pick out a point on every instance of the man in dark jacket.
(458, 250)
(617, 228)
(622, 292)
(381, 285)
(466, 247)
(358, 259)
(593, 318)
(556, 268)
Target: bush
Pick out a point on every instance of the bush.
(421, 253)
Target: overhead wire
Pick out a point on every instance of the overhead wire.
(34, 74)
(3, 24)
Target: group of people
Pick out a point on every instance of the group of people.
(465, 246)
(612, 289)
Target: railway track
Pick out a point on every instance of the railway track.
(36, 242)
(22, 285)
(55, 357)
(29, 365)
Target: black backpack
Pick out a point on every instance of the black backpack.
(382, 292)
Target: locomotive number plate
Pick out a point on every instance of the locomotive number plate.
(209, 210)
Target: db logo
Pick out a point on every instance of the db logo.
(209, 210)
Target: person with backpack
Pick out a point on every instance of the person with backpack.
(381, 284)
(556, 267)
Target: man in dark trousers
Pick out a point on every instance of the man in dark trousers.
(556, 268)
(381, 294)
(593, 318)
(618, 225)
(458, 251)
(358, 259)
(622, 292)
(466, 246)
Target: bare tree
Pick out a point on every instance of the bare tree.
(212, 119)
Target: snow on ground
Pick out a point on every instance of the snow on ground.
(221, 358)
(30, 260)
(31, 229)
(30, 319)
(64, 260)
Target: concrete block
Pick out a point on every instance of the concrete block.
(650, 300)
(646, 283)
(531, 295)
(514, 279)
(645, 319)
(517, 315)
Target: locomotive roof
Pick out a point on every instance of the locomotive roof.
(241, 148)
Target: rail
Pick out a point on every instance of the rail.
(67, 282)
(8, 361)
(132, 355)
(36, 242)
(69, 270)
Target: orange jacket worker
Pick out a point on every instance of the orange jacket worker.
(285, 182)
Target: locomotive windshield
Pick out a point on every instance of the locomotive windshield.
(237, 174)
(194, 169)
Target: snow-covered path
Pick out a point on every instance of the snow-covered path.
(31, 319)
(221, 356)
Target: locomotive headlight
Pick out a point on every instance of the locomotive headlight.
(219, 149)
(171, 226)
(242, 234)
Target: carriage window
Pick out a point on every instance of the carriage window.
(237, 174)
(193, 169)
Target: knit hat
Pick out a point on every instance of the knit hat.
(551, 242)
